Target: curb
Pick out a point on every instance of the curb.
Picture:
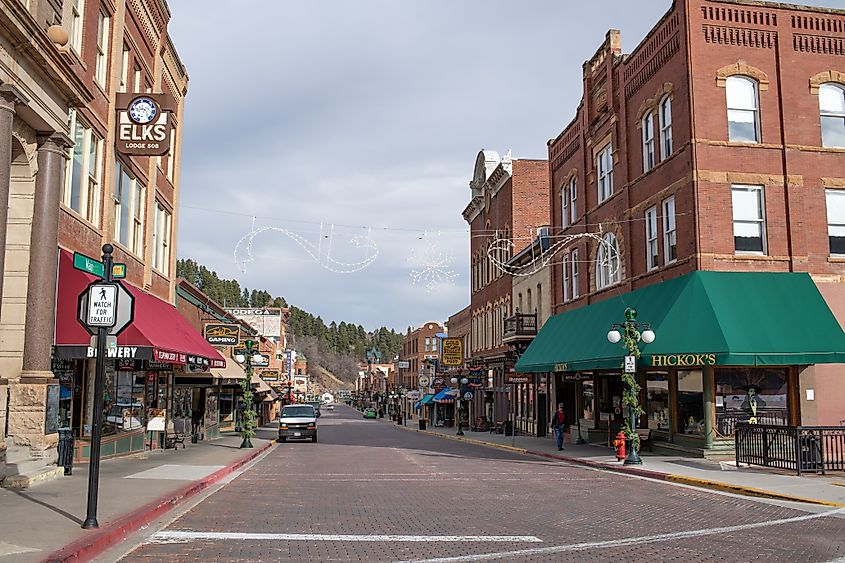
(89, 546)
(647, 473)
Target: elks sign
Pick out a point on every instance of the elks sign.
(144, 124)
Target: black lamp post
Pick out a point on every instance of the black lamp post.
(631, 332)
(247, 356)
(459, 404)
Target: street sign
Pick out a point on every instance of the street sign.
(630, 364)
(424, 380)
(124, 307)
(88, 264)
(468, 396)
(102, 305)
(404, 364)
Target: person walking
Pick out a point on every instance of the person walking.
(559, 426)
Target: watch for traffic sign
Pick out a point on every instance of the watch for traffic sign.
(106, 305)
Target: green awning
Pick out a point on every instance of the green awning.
(702, 318)
(427, 399)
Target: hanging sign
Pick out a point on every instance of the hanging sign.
(452, 352)
(630, 364)
(144, 124)
(223, 334)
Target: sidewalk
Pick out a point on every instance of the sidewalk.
(38, 521)
(725, 476)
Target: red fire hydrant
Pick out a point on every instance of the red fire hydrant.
(619, 444)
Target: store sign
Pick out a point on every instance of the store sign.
(169, 357)
(115, 352)
(267, 321)
(154, 365)
(222, 334)
(513, 378)
(684, 360)
(217, 363)
(452, 352)
(413, 395)
(403, 364)
(270, 375)
(424, 381)
(144, 124)
(561, 367)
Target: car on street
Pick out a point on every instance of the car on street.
(329, 407)
(298, 422)
(316, 405)
(370, 413)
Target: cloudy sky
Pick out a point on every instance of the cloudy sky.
(318, 123)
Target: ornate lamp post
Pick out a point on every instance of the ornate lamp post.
(630, 333)
(459, 406)
(247, 358)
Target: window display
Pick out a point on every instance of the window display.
(657, 400)
(690, 402)
(753, 395)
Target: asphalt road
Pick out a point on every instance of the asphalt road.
(368, 491)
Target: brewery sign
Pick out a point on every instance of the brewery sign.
(144, 124)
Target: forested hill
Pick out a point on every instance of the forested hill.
(336, 344)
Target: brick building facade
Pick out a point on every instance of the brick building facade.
(420, 349)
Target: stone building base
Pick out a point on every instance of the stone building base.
(27, 410)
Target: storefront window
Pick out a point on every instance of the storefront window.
(657, 400)
(754, 395)
(690, 402)
(124, 396)
(227, 409)
(210, 410)
(588, 397)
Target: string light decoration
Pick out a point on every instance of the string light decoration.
(244, 249)
(431, 265)
(501, 247)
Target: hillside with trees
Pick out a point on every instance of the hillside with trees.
(336, 347)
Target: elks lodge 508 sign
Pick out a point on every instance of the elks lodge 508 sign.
(144, 124)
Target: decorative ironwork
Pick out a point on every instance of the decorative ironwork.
(798, 448)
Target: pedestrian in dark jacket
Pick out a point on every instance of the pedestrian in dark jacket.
(559, 426)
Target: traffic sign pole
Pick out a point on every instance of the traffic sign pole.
(97, 427)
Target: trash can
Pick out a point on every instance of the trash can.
(422, 424)
(811, 453)
(508, 428)
(66, 450)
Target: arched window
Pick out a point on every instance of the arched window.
(608, 265)
(666, 147)
(743, 109)
(832, 111)
(648, 141)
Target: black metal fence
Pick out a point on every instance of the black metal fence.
(797, 448)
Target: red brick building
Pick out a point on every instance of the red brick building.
(420, 350)
(715, 145)
(509, 203)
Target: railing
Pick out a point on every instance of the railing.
(796, 448)
(726, 421)
(521, 324)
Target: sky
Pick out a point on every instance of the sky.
(328, 145)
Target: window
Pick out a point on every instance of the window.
(171, 158)
(836, 221)
(128, 210)
(648, 141)
(608, 271)
(670, 234)
(690, 402)
(427, 344)
(574, 264)
(604, 165)
(566, 278)
(743, 112)
(749, 219)
(136, 88)
(832, 109)
(753, 395)
(434, 344)
(651, 238)
(573, 199)
(564, 206)
(81, 189)
(161, 239)
(101, 65)
(124, 70)
(666, 128)
(528, 298)
(77, 7)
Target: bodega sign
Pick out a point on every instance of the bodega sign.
(144, 124)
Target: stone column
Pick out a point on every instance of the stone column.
(28, 403)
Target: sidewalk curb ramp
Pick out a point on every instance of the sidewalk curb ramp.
(641, 472)
(92, 544)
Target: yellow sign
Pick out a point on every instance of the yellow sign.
(561, 367)
(684, 360)
(452, 352)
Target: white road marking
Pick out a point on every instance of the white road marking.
(622, 542)
(12, 549)
(188, 536)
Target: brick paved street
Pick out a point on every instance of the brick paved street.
(367, 478)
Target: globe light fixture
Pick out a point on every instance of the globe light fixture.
(257, 359)
(464, 381)
(648, 336)
(614, 336)
(454, 380)
(240, 358)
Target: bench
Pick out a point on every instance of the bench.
(481, 424)
(498, 428)
(645, 437)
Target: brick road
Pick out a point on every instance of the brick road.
(366, 478)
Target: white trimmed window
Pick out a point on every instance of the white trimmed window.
(81, 190)
(566, 278)
(832, 111)
(564, 206)
(666, 147)
(608, 265)
(604, 168)
(77, 8)
(124, 70)
(574, 265)
(743, 109)
(128, 210)
(162, 228)
(573, 200)
(647, 126)
(171, 157)
(137, 81)
(101, 64)
(836, 221)
(749, 219)
(651, 252)
(670, 232)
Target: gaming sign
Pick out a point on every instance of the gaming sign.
(144, 124)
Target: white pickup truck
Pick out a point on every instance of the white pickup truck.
(298, 422)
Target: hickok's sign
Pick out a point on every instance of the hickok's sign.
(683, 360)
(144, 124)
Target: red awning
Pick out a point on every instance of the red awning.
(158, 329)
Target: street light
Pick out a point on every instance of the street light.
(459, 403)
(249, 356)
(630, 333)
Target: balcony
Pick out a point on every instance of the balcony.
(521, 326)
